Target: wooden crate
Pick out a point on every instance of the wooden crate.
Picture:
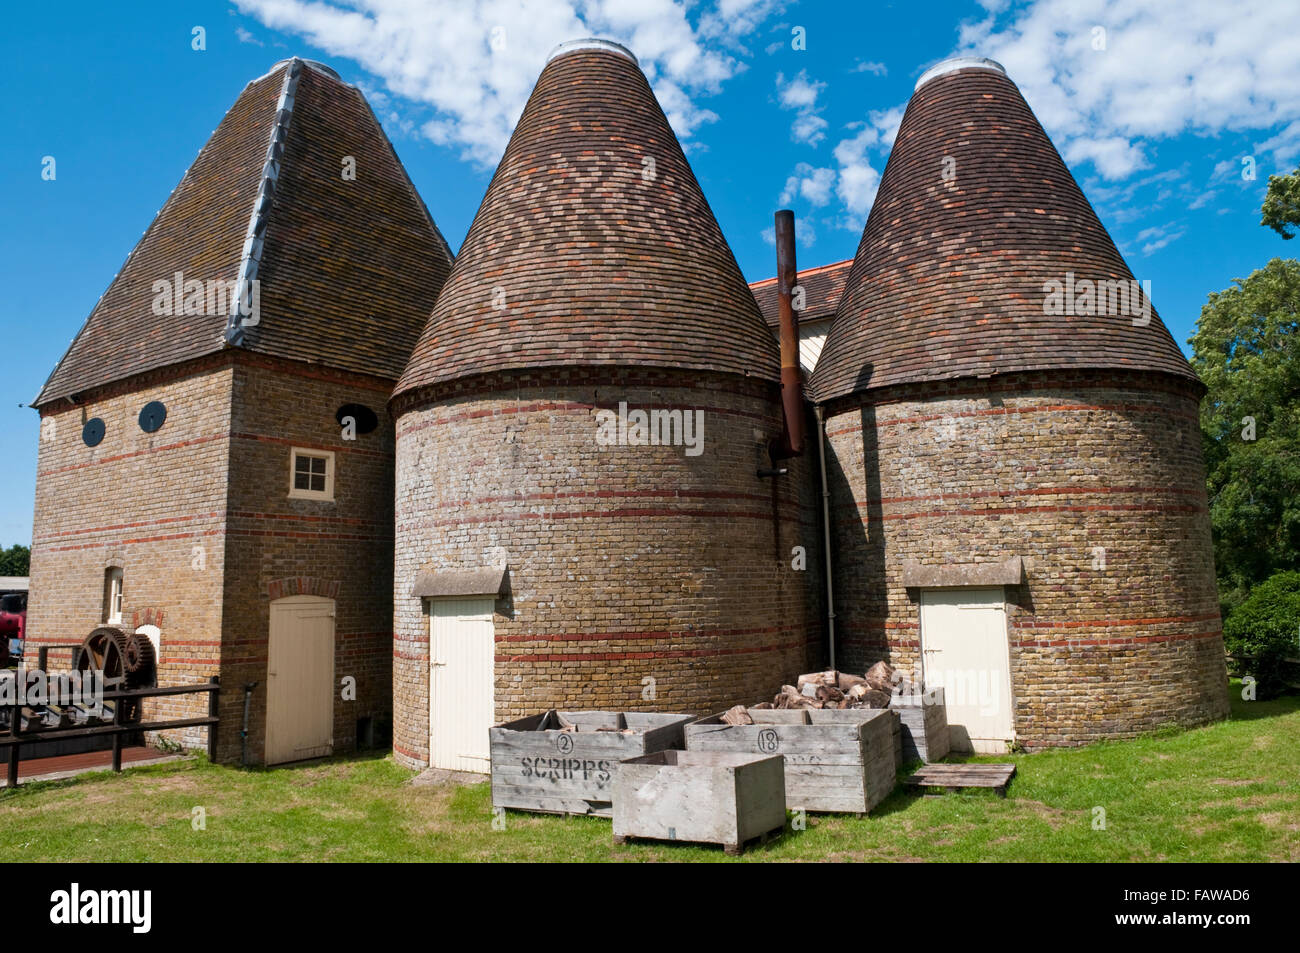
(537, 767)
(924, 722)
(835, 760)
(708, 797)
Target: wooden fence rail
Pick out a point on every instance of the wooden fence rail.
(14, 739)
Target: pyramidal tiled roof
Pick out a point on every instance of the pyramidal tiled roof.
(594, 244)
(976, 212)
(347, 267)
(822, 286)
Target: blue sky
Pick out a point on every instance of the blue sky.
(1154, 115)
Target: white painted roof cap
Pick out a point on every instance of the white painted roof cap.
(591, 43)
(958, 63)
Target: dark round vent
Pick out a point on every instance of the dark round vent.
(152, 416)
(363, 415)
(93, 432)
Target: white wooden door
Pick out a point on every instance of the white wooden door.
(300, 679)
(461, 703)
(964, 651)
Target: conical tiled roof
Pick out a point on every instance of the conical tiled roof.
(594, 245)
(948, 280)
(348, 268)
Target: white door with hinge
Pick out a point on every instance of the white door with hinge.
(461, 703)
(964, 651)
(300, 679)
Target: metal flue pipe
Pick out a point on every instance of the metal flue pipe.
(791, 373)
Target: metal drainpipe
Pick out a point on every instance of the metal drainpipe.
(243, 733)
(826, 531)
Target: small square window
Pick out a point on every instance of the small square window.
(311, 474)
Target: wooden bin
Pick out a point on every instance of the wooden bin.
(925, 725)
(708, 797)
(537, 767)
(835, 760)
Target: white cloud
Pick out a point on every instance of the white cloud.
(475, 62)
(1114, 157)
(245, 37)
(800, 94)
(1169, 67)
(862, 66)
(1157, 237)
(857, 178)
(811, 184)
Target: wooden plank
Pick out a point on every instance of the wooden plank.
(955, 776)
(712, 797)
(835, 760)
(547, 770)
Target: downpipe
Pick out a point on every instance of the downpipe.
(243, 732)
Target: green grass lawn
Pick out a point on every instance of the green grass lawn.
(1230, 791)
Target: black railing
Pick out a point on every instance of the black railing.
(15, 738)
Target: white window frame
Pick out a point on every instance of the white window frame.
(328, 493)
(114, 584)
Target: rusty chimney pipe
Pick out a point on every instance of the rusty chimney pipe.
(791, 373)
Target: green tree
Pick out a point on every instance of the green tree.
(1264, 631)
(15, 561)
(1282, 204)
(1247, 351)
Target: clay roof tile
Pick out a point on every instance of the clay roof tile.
(347, 267)
(975, 215)
(594, 244)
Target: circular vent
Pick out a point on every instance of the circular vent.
(93, 432)
(152, 416)
(364, 416)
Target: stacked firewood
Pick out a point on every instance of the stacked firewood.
(829, 689)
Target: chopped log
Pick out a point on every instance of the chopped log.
(829, 695)
(847, 681)
(736, 715)
(763, 706)
(810, 689)
(881, 677)
(876, 699)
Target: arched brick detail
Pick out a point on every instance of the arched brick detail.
(146, 616)
(302, 586)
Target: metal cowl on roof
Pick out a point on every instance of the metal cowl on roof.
(594, 245)
(976, 221)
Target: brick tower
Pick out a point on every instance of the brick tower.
(216, 461)
(1011, 428)
(581, 567)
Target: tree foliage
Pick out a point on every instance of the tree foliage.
(1265, 629)
(1282, 204)
(1247, 351)
(15, 561)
